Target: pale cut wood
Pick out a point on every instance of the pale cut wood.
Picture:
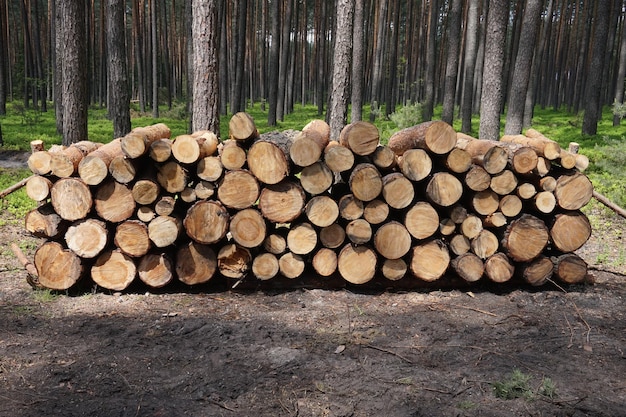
(376, 211)
(316, 178)
(545, 147)
(204, 189)
(234, 261)
(210, 168)
(87, 238)
(499, 268)
(415, 164)
(241, 127)
(360, 137)
(485, 202)
(537, 272)
(446, 226)
(58, 268)
(248, 228)
(276, 243)
(567, 159)
(232, 155)
(437, 137)
(485, 244)
(114, 270)
(283, 202)
(357, 263)
(38, 188)
(477, 179)
(206, 221)
(359, 231)
(332, 236)
(160, 150)
(350, 207)
(291, 265)
(495, 220)
(265, 266)
(172, 177)
(145, 214)
(492, 155)
(325, 262)
(308, 145)
(523, 160)
(38, 145)
(146, 191)
(545, 202)
(365, 182)
(392, 240)
(573, 191)
(459, 244)
(503, 183)
(384, 158)
(570, 268)
(458, 161)
(267, 162)
(156, 270)
(543, 167)
(302, 239)
(525, 238)
(338, 158)
(122, 169)
(430, 260)
(570, 231)
(468, 266)
(444, 189)
(398, 190)
(510, 205)
(547, 183)
(71, 198)
(394, 269)
(195, 263)
(322, 210)
(238, 189)
(189, 149)
(131, 237)
(44, 222)
(421, 220)
(164, 231)
(65, 163)
(188, 195)
(139, 141)
(39, 162)
(471, 226)
(165, 205)
(114, 202)
(94, 167)
(526, 191)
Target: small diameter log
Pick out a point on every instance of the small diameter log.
(545, 202)
(114, 202)
(547, 183)
(160, 150)
(325, 262)
(156, 270)
(241, 127)
(350, 207)
(145, 214)
(234, 261)
(499, 268)
(57, 268)
(172, 177)
(570, 231)
(525, 238)
(573, 191)
(398, 190)
(338, 158)
(492, 155)
(332, 236)
(376, 211)
(459, 244)
(71, 198)
(308, 145)
(302, 239)
(523, 160)
(545, 147)
(485, 244)
(444, 189)
(468, 266)
(471, 226)
(608, 203)
(164, 230)
(44, 222)
(543, 167)
(139, 141)
(276, 243)
(210, 168)
(131, 237)
(114, 270)
(122, 169)
(283, 202)
(87, 238)
(322, 210)
(510, 205)
(165, 205)
(384, 158)
(357, 264)
(206, 221)
(392, 240)
(291, 265)
(429, 260)
(15, 186)
(504, 182)
(458, 161)
(38, 188)
(360, 137)
(537, 272)
(477, 179)
(188, 195)
(248, 228)
(485, 202)
(435, 136)
(567, 159)
(421, 220)
(495, 220)
(146, 191)
(359, 231)
(458, 213)
(189, 149)
(65, 163)
(415, 164)
(394, 269)
(570, 268)
(265, 266)
(316, 178)
(232, 155)
(94, 168)
(204, 190)
(365, 182)
(238, 189)
(267, 162)
(526, 191)
(31, 278)
(195, 263)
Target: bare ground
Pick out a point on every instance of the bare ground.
(313, 352)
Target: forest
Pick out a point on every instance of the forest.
(487, 57)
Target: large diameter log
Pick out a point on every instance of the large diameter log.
(510, 206)
(39, 162)
(503, 183)
(132, 238)
(444, 189)
(316, 178)
(44, 222)
(234, 261)
(359, 231)
(248, 228)
(525, 238)
(188, 149)
(238, 189)
(499, 268)
(435, 136)
(38, 188)
(322, 210)
(206, 221)
(114, 202)
(163, 231)
(376, 211)
(265, 266)
(398, 190)
(429, 260)
(357, 264)
(338, 158)
(241, 127)
(139, 141)
(156, 270)
(392, 240)
(325, 262)
(71, 198)
(94, 168)
(536, 272)
(172, 177)
(57, 268)
(291, 265)
(114, 270)
(195, 263)
(65, 163)
(394, 269)
(308, 145)
(570, 231)
(458, 161)
(283, 202)
(468, 266)
(332, 236)
(573, 191)
(485, 244)
(360, 137)
(570, 268)
(421, 220)
(365, 182)
(302, 239)
(415, 164)
(87, 238)
(267, 162)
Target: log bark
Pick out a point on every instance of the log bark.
(87, 238)
(435, 136)
(131, 237)
(44, 222)
(238, 189)
(283, 202)
(357, 264)
(267, 162)
(360, 137)
(392, 240)
(156, 270)
(248, 228)
(265, 266)
(430, 260)
(234, 261)
(71, 198)
(114, 270)
(206, 222)
(114, 202)
(322, 210)
(468, 266)
(421, 220)
(58, 268)
(525, 238)
(196, 263)
(325, 262)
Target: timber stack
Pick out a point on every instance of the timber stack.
(431, 205)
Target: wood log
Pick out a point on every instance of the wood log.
(350, 207)
(15, 186)
(31, 277)
(394, 269)
(325, 262)
(437, 137)
(195, 263)
(283, 202)
(471, 226)
(444, 189)
(146, 191)
(316, 178)
(458, 161)
(122, 169)
(338, 158)
(477, 179)
(165, 205)
(276, 243)
(44, 222)
(495, 220)
(291, 265)
(397, 190)
(114, 202)
(238, 189)
(526, 191)
(376, 211)
(265, 266)
(525, 238)
(65, 163)
(248, 228)
(570, 231)
(172, 177)
(156, 270)
(188, 195)
(510, 205)
(485, 202)
(468, 266)
(140, 140)
(608, 203)
(392, 240)
(302, 238)
(359, 231)
(87, 238)
(547, 183)
(567, 159)
(545, 147)
(160, 150)
(38, 187)
(39, 162)
(459, 244)
(485, 244)
(543, 167)
(360, 137)
(504, 182)
(114, 270)
(204, 190)
(71, 198)
(308, 145)
(536, 272)
(145, 214)
(189, 149)
(415, 164)
(132, 238)
(241, 127)
(210, 168)
(267, 162)
(545, 202)
(234, 261)
(384, 158)
(421, 220)
(429, 260)
(365, 182)
(458, 213)
(446, 227)
(570, 268)
(332, 236)
(499, 268)
(523, 159)
(573, 191)
(58, 268)
(164, 231)
(357, 263)
(492, 155)
(232, 155)
(94, 167)
(322, 210)
(206, 222)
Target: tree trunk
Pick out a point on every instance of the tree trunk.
(471, 44)
(118, 88)
(452, 60)
(274, 63)
(358, 52)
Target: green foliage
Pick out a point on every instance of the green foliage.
(516, 385)
(16, 203)
(408, 115)
(619, 109)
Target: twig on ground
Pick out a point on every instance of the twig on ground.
(387, 351)
(580, 316)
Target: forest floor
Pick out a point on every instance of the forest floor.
(306, 351)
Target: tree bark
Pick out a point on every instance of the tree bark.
(118, 88)
(452, 60)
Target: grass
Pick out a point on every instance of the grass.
(518, 385)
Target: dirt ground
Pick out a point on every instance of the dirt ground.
(306, 351)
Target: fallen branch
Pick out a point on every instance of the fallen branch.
(33, 276)
(608, 203)
(15, 187)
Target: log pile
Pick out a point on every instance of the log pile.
(430, 204)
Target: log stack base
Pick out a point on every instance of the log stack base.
(432, 208)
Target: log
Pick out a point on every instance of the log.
(536, 272)
(608, 203)
(206, 222)
(16, 186)
(94, 168)
(39, 162)
(543, 167)
(547, 183)
(188, 195)
(325, 262)
(458, 213)
(316, 178)
(394, 269)
(485, 202)
(165, 205)
(421, 220)
(545, 202)
(210, 168)
(365, 182)
(131, 238)
(38, 187)
(458, 161)
(145, 214)
(429, 260)
(392, 240)
(446, 227)
(567, 159)
(504, 182)
(332, 236)
(485, 244)
(350, 207)
(164, 231)
(471, 226)
(276, 243)
(233, 261)
(360, 137)
(238, 189)
(495, 220)
(510, 205)
(122, 169)
(65, 163)
(248, 228)
(308, 145)
(139, 141)
(357, 264)
(322, 210)
(545, 147)
(415, 164)
(459, 244)
(477, 179)
(302, 239)
(58, 268)
(525, 238)
(267, 162)
(338, 158)
(189, 149)
(241, 127)
(437, 137)
(492, 155)
(499, 268)
(283, 202)
(156, 270)
(291, 265)
(570, 231)
(32, 277)
(204, 190)
(146, 191)
(526, 191)
(232, 155)
(573, 191)
(160, 150)
(44, 222)
(359, 231)
(195, 263)
(376, 211)
(114, 270)
(397, 190)
(172, 177)
(114, 202)
(87, 238)
(523, 160)
(265, 266)
(468, 266)
(71, 198)
(444, 189)
(384, 158)
(570, 268)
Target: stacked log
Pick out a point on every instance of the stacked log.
(430, 204)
